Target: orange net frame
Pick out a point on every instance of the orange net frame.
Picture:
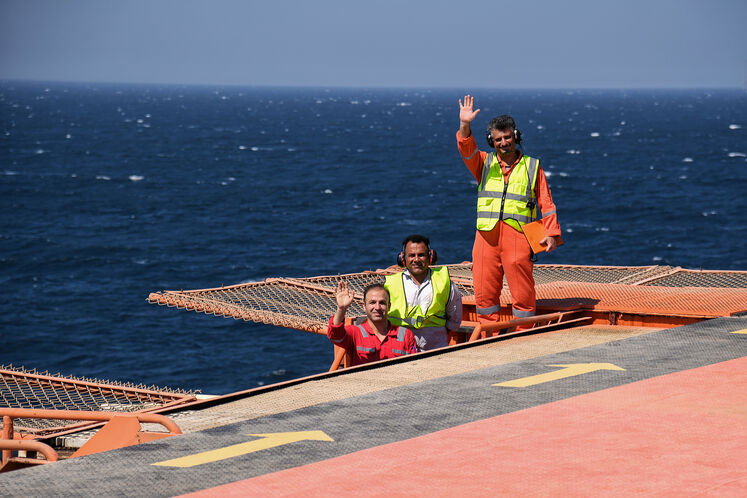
(22, 388)
(307, 303)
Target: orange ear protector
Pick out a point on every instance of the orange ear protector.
(491, 142)
(432, 257)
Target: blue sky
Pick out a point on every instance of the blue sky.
(382, 43)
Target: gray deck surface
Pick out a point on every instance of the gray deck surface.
(400, 400)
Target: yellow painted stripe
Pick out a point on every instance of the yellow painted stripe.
(566, 371)
(266, 441)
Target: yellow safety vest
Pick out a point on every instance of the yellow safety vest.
(435, 316)
(514, 202)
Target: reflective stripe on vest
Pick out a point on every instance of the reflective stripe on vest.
(498, 200)
(366, 350)
(435, 316)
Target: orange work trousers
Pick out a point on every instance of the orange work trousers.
(503, 251)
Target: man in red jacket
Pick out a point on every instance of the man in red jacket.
(376, 338)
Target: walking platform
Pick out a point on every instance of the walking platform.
(595, 410)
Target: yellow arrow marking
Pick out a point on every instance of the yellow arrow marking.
(267, 441)
(743, 331)
(566, 371)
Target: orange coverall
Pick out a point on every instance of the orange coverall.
(505, 250)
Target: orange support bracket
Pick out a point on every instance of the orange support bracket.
(119, 432)
(121, 429)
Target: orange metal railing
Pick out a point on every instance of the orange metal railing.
(485, 329)
(41, 391)
(152, 418)
(120, 430)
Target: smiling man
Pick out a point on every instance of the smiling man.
(423, 298)
(512, 187)
(376, 338)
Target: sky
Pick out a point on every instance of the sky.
(379, 43)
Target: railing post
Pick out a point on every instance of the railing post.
(7, 434)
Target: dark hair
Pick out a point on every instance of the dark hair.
(375, 285)
(504, 122)
(418, 239)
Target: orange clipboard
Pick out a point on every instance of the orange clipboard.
(534, 232)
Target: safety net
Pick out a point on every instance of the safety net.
(23, 388)
(307, 303)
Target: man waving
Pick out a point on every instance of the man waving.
(512, 187)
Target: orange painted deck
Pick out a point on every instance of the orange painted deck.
(589, 411)
(681, 434)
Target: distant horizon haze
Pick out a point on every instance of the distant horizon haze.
(542, 44)
(362, 87)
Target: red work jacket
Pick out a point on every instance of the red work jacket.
(362, 345)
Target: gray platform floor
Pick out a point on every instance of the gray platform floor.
(399, 401)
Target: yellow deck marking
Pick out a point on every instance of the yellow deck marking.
(267, 441)
(743, 331)
(566, 371)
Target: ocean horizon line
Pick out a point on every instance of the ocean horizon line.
(140, 84)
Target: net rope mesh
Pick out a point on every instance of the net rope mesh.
(308, 303)
(23, 388)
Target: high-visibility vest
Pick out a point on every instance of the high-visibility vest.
(434, 316)
(514, 202)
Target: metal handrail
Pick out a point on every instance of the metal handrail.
(29, 445)
(152, 418)
(516, 322)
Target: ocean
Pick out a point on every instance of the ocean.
(110, 191)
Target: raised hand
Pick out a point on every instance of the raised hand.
(344, 295)
(466, 112)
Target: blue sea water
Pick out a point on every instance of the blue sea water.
(109, 192)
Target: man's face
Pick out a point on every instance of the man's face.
(417, 258)
(376, 304)
(504, 141)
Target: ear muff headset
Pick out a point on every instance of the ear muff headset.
(432, 257)
(491, 143)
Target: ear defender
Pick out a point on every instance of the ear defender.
(491, 143)
(432, 257)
